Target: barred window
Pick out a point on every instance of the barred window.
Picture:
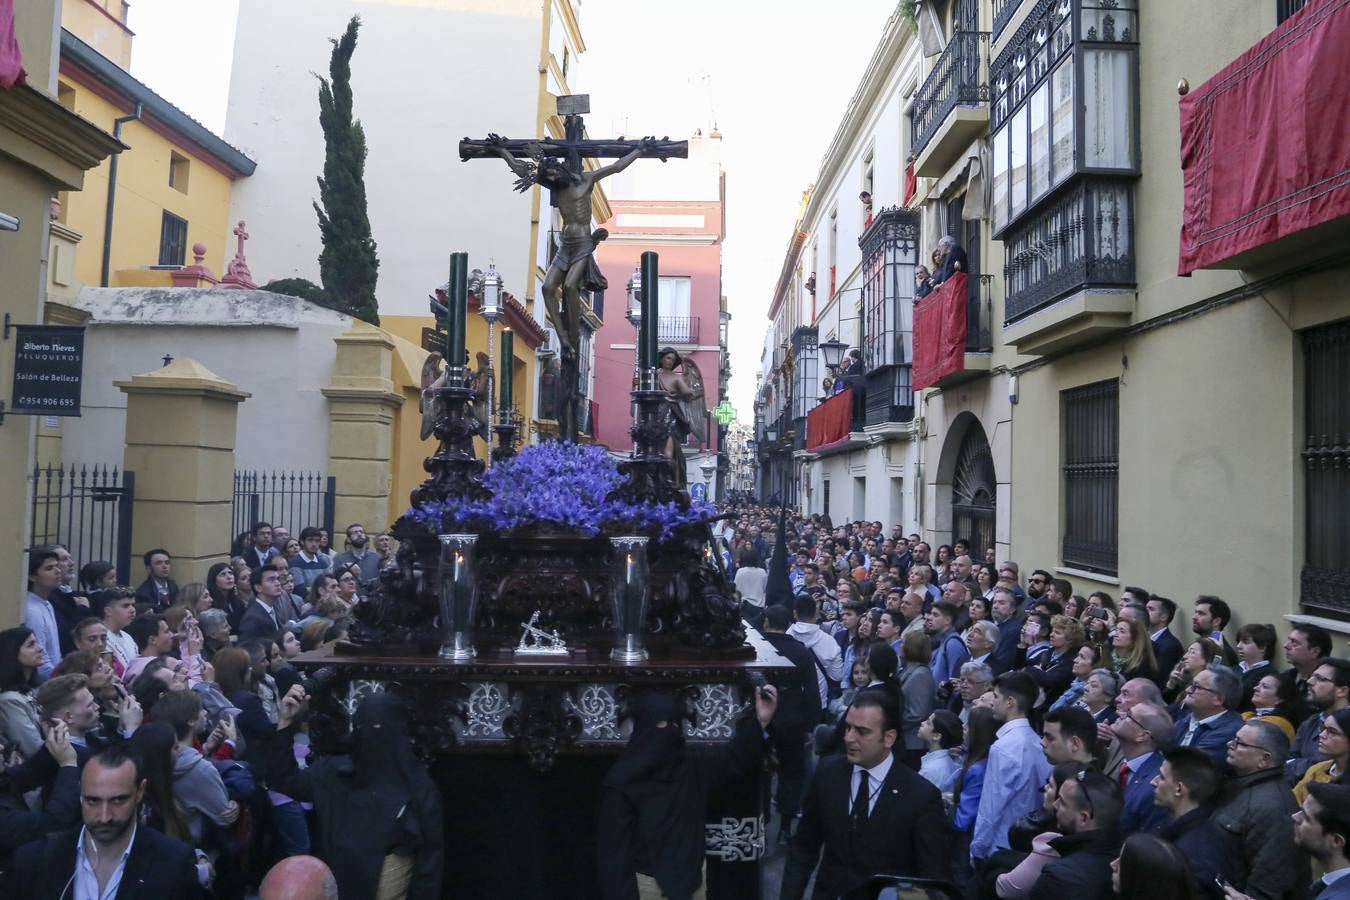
(172, 240)
(1325, 579)
(1091, 476)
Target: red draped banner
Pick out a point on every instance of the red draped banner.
(940, 332)
(1263, 146)
(830, 422)
(11, 58)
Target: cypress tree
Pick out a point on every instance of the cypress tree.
(348, 265)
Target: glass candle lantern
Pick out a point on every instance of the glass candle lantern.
(458, 596)
(630, 591)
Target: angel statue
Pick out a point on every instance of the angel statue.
(573, 267)
(685, 407)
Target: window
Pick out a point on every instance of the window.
(178, 172)
(675, 325)
(834, 248)
(826, 489)
(1286, 8)
(865, 198)
(1064, 101)
(172, 240)
(806, 372)
(1091, 476)
(1325, 579)
(890, 254)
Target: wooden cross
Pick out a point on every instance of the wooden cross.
(573, 147)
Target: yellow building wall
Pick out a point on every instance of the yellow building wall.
(143, 194)
(99, 24)
(409, 449)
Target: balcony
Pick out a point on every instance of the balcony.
(1003, 14)
(1284, 198)
(1069, 273)
(677, 330)
(952, 107)
(952, 333)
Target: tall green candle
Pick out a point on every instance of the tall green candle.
(456, 355)
(647, 357)
(453, 340)
(508, 365)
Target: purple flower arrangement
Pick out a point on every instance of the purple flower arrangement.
(560, 484)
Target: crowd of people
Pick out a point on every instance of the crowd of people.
(158, 735)
(950, 715)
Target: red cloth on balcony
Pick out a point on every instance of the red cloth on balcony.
(11, 58)
(1263, 148)
(940, 332)
(830, 422)
(911, 184)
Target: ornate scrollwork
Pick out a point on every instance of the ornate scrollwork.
(598, 708)
(716, 709)
(487, 707)
(540, 727)
(358, 690)
(735, 840)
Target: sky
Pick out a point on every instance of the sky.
(774, 77)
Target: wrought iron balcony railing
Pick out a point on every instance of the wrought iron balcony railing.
(961, 77)
(677, 329)
(1003, 13)
(1080, 239)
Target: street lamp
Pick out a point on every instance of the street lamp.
(490, 307)
(771, 433)
(707, 467)
(635, 298)
(832, 353)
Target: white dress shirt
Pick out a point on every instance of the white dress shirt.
(876, 778)
(86, 880)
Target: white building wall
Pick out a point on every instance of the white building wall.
(424, 75)
(278, 348)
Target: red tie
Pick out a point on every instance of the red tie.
(1124, 775)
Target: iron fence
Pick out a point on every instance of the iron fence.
(293, 499)
(86, 508)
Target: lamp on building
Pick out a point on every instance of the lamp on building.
(832, 353)
(635, 298)
(771, 433)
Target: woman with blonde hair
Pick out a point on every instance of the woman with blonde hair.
(1132, 651)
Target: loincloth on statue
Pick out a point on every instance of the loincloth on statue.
(572, 250)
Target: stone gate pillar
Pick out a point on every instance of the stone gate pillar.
(362, 401)
(180, 443)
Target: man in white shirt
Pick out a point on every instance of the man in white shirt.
(44, 575)
(829, 659)
(118, 613)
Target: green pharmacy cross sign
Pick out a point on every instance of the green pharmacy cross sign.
(725, 413)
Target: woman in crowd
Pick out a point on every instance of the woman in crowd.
(193, 597)
(1150, 868)
(215, 626)
(243, 580)
(1334, 743)
(1074, 606)
(1275, 700)
(1103, 600)
(916, 694)
(222, 585)
(348, 583)
(1255, 649)
(1054, 671)
(1200, 653)
(96, 578)
(153, 747)
(1098, 623)
(987, 579)
(942, 564)
(867, 629)
(941, 733)
(1033, 643)
(285, 647)
(1037, 829)
(291, 549)
(978, 607)
(981, 729)
(1099, 695)
(20, 656)
(1132, 651)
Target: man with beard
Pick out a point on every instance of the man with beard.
(379, 812)
(654, 800)
(357, 553)
(111, 855)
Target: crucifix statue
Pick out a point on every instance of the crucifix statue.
(557, 165)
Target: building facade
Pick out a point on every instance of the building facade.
(677, 211)
(1100, 422)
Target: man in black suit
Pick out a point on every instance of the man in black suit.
(798, 712)
(953, 259)
(872, 814)
(1167, 648)
(111, 849)
(158, 589)
(261, 618)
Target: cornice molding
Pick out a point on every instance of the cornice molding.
(47, 126)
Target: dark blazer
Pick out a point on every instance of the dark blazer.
(1212, 738)
(1053, 674)
(1083, 871)
(1167, 650)
(906, 834)
(256, 623)
(1005, 654)
(1139, 812)
(798, 692)
(147, 593)
(158, 867)
(1207, 847)
(1303, 752)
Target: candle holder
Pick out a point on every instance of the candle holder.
(455, 470)
(458, 596)
(630, 594)
(650, 476)
(506, 430)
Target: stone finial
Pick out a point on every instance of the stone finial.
(237, 274)
(196, 275)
